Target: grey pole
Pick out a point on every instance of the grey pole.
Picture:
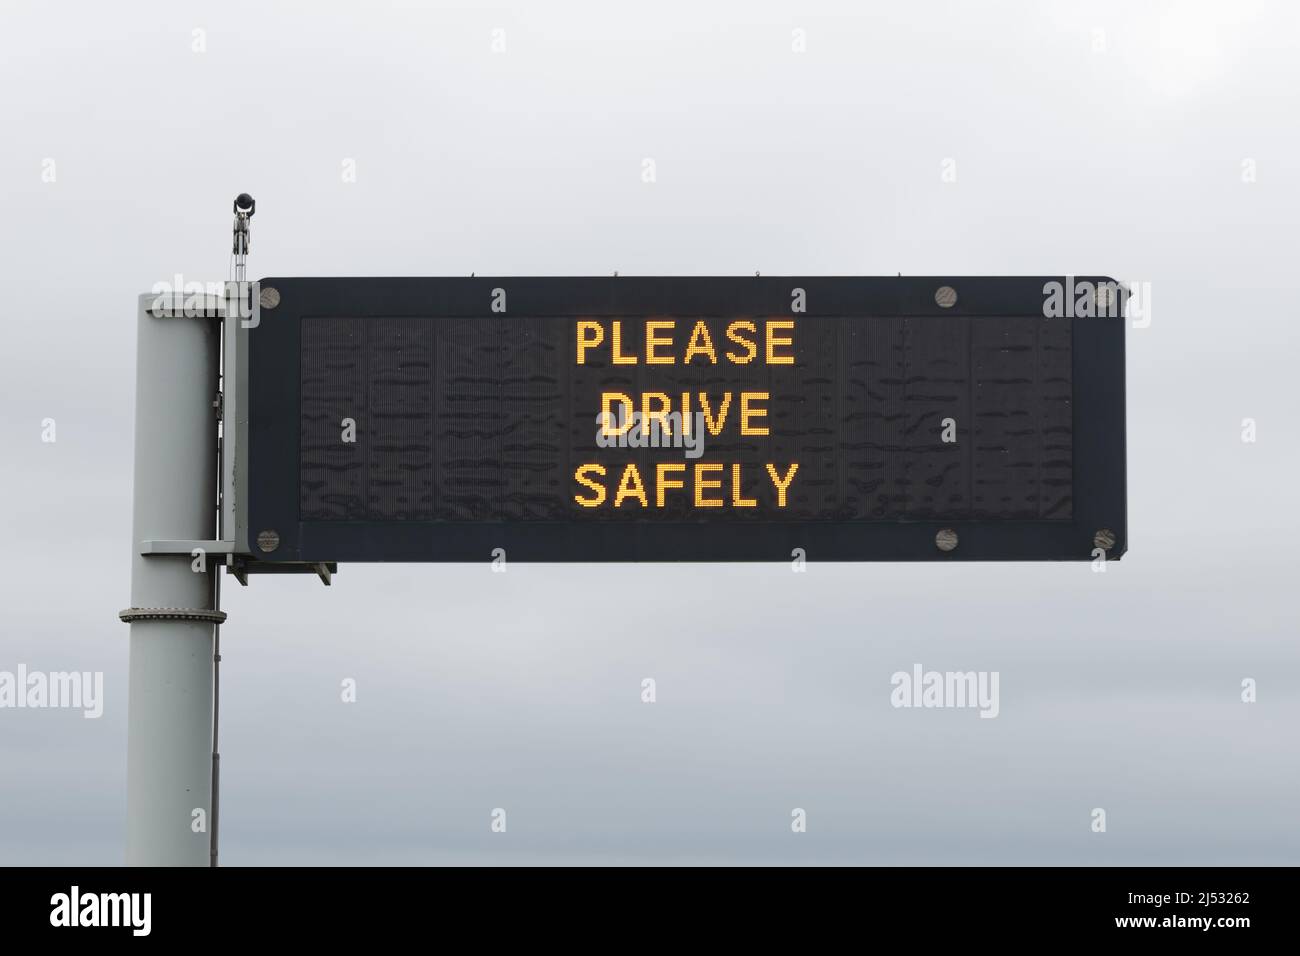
(169, 711)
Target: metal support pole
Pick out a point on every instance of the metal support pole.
(170, 707)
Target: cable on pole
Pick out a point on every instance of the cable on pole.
(244, 207)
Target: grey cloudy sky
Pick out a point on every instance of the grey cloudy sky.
(1120, 152)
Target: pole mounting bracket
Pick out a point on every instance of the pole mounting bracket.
(186, 547)
(241, 566)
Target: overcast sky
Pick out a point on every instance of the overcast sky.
(1155, 142)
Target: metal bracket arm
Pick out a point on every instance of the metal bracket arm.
(186, 547)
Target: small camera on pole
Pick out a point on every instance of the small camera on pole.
(245, 206)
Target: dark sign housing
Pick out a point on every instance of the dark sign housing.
(684, 419)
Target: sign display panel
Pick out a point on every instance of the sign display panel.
(594, 419)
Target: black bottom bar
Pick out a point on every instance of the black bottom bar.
(980, 906)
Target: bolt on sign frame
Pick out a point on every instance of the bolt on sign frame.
(854, 418)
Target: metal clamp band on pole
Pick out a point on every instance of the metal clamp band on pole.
(172, 614)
